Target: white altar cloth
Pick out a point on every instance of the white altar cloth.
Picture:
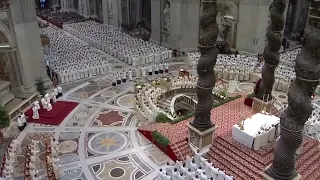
(252, 126)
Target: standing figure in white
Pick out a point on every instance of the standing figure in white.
(166, 67)
(124, 76)
(49, 106)
(35, 112)
(60, 93)
(54, 97)
(143, 71)
(44, 103)
(47, 97)
(130, 75)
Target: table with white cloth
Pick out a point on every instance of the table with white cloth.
(252, 127)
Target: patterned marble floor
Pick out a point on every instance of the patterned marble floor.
(98, 140)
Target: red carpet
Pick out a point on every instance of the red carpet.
(59, 111)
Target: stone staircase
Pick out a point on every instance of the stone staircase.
(176, 133)
(244, 163)
(182, 149)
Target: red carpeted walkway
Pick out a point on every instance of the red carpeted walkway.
(59, 111)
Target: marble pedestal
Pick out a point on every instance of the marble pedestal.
(200, 140)
(259, 105)
(267, 177)
(5, 95)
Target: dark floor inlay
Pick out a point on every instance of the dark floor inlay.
(124, 159)
(117, 172)
(90, 134)
(138, 175)
(96, 168)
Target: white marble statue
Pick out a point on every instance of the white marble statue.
(110, 12)
(166, 17)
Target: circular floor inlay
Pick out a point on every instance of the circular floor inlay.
(107, 142)
(108, 93)
(117, 172)
(245, 87)
(67, 146)
(126, 101)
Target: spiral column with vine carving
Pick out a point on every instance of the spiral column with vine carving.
(205, 68)
(292, 120)
(270, 54)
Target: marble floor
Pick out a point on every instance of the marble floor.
(98, 139)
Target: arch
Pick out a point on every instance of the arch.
(233, 9)
(6, 32)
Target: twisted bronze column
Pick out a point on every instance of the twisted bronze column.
(292, 120)
(270, 54)
(205, 68)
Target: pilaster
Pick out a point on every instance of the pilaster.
(156, 20)
(252, 26)
(29, 50)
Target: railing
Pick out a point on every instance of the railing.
(181, 97)
(182, 158)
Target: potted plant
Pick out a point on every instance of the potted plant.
(160, 140)
(40, 86)
(249, 99)
(162, 118)
(4, 120)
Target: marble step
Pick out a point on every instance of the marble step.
(235, 160)
(218, 162)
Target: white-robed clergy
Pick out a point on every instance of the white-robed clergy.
(60, 93)
(49, 106)
(47, 97)
(44, 103)
(36, 104)
(54, 96)
(130, 75)
(166, 67)
(35, 112)
(143, 71)
(21, 121)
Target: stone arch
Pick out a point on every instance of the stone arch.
(233, 10)
(5, 35)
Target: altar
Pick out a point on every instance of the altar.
(256, 131)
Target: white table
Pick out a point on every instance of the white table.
(251, 127)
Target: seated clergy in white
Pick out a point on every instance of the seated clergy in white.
(221, 175)
(227, 177)
(197, 157)
(214, 172)
(35, 112)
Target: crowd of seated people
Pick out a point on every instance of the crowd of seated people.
(117, 43)
(248, 68)
(60, 18)
(69, 60)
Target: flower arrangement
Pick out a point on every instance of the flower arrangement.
(160, 139)
(4, 120)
